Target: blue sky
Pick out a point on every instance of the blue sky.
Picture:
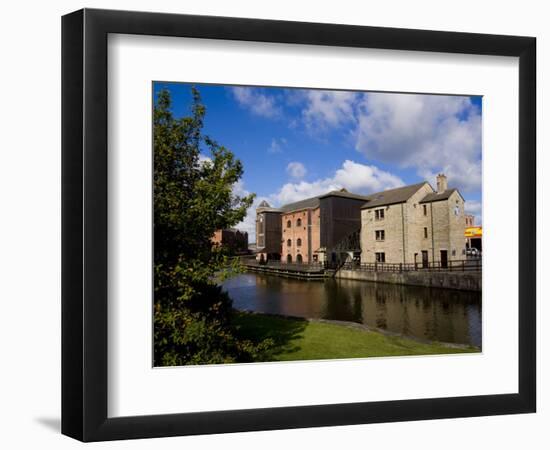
(298, 143)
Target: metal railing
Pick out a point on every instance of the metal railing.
(286, 266)
(462, 265)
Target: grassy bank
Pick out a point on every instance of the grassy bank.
(297, 339)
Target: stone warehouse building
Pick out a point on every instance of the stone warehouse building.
(414, 224)
(307, 231)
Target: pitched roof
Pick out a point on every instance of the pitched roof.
(345, 194)
(266, 207)
(392, 196)
(312, 202)
(437, 196)
(388, 197)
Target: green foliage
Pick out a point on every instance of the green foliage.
(193, 197)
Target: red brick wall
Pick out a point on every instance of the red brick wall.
(307, 234)
(217, 238)
(315, 231)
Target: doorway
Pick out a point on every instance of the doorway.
(425, 259)
(444, 263)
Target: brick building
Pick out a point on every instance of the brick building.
(413, 224)
(301, 225)
(234, 240)
(310, 230)
(268, 232)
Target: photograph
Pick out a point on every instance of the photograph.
(294, 224)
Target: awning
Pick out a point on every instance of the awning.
(473, 232)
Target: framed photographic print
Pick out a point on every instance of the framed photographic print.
(273, 224)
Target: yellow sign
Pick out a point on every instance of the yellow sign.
(473, 232)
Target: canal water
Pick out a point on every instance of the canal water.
(428, 313)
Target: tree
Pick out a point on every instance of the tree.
(193, 197)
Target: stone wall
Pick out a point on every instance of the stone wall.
(415, 222)
(392, 224)
(467, 281)
(413, 227)
(456, 227)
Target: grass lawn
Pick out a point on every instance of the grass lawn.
(298, 339)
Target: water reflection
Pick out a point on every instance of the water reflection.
(435, 314)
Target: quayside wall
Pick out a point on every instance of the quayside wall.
(466, 281)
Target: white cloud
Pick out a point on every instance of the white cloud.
(239, 190)
(248, 224)
(293, 192)
(257, 102)
(355, 177)
(428, 133)
(296, 169)
(363, 178)
(328, 109)
(431, 133)
(276, 145)
(204, 159)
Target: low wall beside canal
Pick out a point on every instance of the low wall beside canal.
(466, 281)
(303, 271)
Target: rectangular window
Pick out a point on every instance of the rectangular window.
(380, 235)
(380, 257)
(378, 214)
(425, 233)
(425, 209)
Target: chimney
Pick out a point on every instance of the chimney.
(441, 183)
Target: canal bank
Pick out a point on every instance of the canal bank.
(300, 271)
(466, 281)
(426, 313)
(461, 276)
(295, 339)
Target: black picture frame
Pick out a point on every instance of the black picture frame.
(84, 224)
